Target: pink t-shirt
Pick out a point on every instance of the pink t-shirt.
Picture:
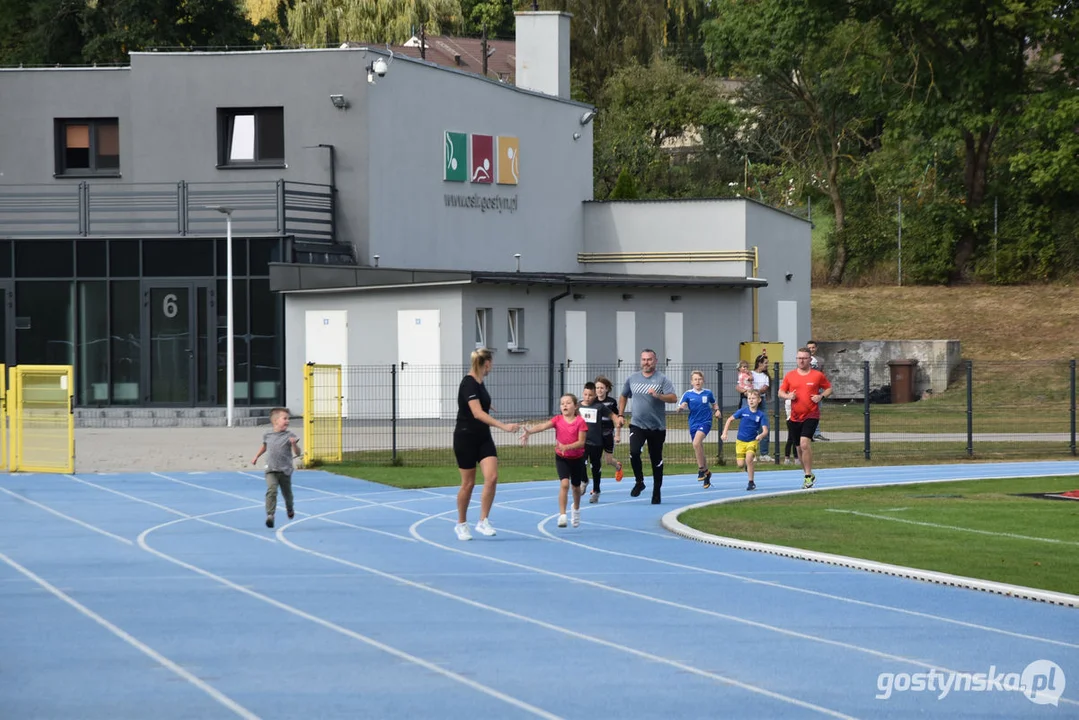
(567, 432)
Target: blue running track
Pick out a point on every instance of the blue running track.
(157, 596)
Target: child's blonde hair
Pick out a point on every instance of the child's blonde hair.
(752, 391)
(696, 372)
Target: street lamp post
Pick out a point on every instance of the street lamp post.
(230, 355)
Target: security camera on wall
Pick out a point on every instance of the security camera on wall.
(380, 66)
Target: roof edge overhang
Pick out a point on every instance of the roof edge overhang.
(293, 278)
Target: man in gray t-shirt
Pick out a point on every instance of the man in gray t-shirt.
(650, 391)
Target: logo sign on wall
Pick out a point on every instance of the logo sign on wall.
(482, 159)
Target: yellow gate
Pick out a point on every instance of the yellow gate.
(40, 403)
(321, 413)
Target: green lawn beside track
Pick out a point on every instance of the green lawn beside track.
(983, 529)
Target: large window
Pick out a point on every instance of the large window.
(87, 147)
(250, 137)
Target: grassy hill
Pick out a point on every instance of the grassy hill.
(1027, 323)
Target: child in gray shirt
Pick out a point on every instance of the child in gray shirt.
(280, 446)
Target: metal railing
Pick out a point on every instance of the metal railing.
(971, 410)
(113, 209)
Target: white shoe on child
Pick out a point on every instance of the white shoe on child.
(462, 531)
(562, 520)
(483, 527)
(576, 518)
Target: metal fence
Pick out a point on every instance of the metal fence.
(969, 410)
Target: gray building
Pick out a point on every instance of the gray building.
(385, 211)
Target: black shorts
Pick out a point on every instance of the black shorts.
(470, 449)
(608, 443)
(805, 429)
(572, 468)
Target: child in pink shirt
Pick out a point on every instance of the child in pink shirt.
(570, 430)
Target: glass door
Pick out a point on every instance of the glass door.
(176, 319)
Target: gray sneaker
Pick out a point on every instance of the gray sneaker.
(593, 498)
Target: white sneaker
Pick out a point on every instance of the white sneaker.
(483, 527)
(562, 520)
(576, 518)
(462, 531)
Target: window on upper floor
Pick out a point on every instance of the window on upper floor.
(87, 146)
(250, 137)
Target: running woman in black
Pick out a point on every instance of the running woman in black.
(473, 445)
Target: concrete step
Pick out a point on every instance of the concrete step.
(135, 417)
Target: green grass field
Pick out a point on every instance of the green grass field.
(983, 529)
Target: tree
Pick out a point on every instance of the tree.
(645, 111)
(41, 32)
(974, 67)
(318, 23)
(114, 28)
(496, 16)
(814, 87)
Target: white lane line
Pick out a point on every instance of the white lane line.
(389, 649)
(950, 527)
(169, 510)
(555, 628)
(257, 503)
(774, 584)
(59, 514)
(672, 604)
(134, 642)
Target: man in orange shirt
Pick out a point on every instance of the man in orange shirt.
(805, 388)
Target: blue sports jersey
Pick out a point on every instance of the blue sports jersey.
(750, 423)
(700, 406)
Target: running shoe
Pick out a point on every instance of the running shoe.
(462, 531)
(810, 479)
(269, 521)
(751, 486)
(637, 490)
(562, 520)
(594, 497)
(483, 527)
(618, 473)
(576, 518)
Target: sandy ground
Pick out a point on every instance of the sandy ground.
(166, 449)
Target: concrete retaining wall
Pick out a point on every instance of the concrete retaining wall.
(938, 361)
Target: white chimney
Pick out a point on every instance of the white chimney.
(543, 52)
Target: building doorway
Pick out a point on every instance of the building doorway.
(179, 322)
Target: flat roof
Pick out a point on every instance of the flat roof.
(296, 278)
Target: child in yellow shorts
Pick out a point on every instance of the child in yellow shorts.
(752, 427)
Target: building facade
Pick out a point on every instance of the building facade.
(372, 198)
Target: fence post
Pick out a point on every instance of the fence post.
(970, 408)
(1072, 393)
(719, 401)
(393, 413)
(773, 390)
(865, 395)
(561, 383)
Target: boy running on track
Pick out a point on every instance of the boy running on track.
(701, 404)
(752, 427)
(594, 413)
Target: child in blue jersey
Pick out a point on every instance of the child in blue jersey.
(752, 427)
(701, 405)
